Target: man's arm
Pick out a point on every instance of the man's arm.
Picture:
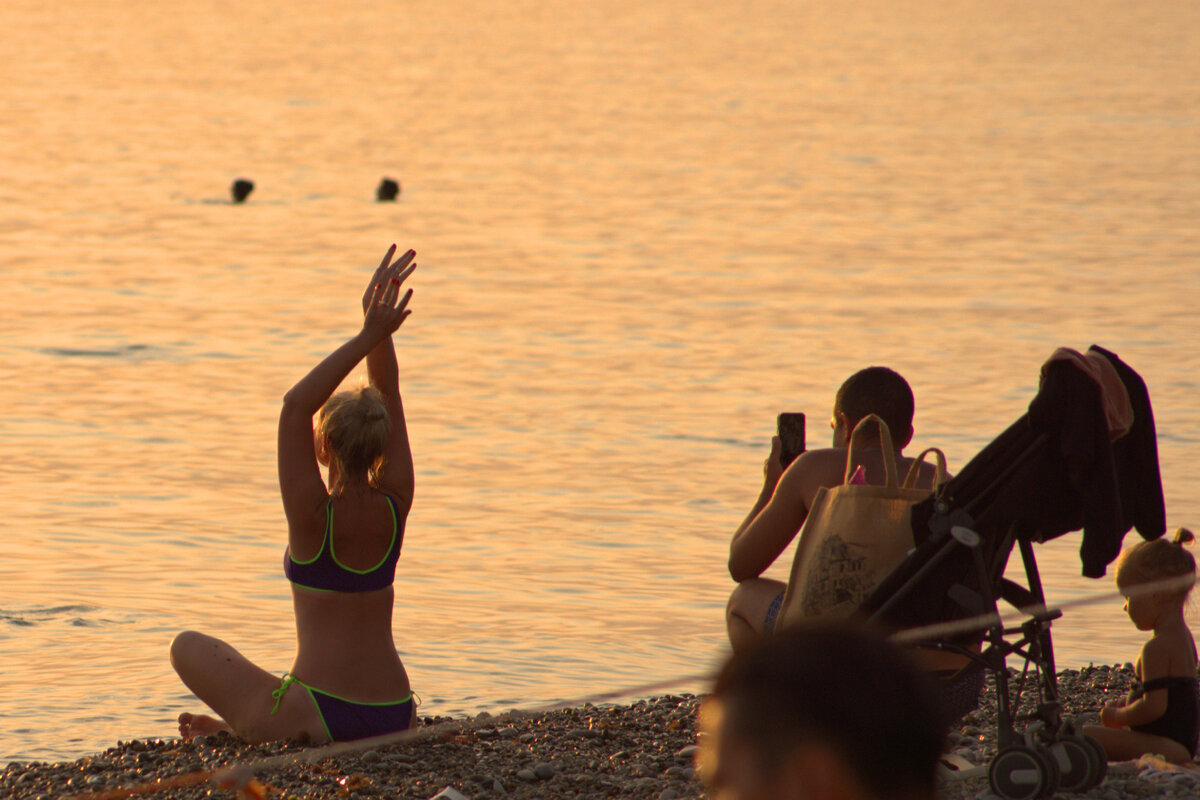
(775, 518)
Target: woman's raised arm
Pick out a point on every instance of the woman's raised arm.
(299, 474)
(397, 476)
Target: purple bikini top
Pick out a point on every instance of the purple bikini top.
(325, 573)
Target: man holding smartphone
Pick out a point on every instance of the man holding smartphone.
(788, 493)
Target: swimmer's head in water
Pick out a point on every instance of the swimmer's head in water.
(353, 427)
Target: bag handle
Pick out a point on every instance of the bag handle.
(885, 442)
(910, 480)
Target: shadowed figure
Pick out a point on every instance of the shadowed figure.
(820, 712)
(787, 494)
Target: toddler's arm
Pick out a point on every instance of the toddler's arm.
(1153, 663)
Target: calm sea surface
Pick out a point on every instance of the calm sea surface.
(644, 228)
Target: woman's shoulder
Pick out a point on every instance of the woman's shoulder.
(307, 528)
(377, 511)
(389, 503)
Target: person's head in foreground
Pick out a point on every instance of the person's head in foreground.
(821, 713)
(874, 390)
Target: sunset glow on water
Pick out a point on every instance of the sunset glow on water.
(643, 230)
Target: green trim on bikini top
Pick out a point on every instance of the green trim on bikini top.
(326, 572)
(333, 553)
(328, 540)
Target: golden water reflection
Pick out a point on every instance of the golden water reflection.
(644, 229)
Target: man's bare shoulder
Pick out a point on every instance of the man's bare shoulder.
(817, 468)
(827, 467)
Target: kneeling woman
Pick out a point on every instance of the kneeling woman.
(347, 681)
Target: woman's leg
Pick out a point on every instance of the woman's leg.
(747, 610)
(240, 692)
(1122, 744)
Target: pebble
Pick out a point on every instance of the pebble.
(1082, 693)
(644, 750)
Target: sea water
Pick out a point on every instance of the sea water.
(644, 229)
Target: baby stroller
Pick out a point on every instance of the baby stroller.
(1055, 470)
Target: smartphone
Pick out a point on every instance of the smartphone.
(791, 436)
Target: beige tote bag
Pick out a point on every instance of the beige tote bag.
(853, 537)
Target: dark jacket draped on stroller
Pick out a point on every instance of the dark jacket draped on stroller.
(1053, 471)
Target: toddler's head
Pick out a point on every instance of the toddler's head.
(1157, 560)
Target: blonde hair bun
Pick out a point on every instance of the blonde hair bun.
(1156, 560)
(355, 426)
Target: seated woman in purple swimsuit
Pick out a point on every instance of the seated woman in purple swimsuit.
(347, 681)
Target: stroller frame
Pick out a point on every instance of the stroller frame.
(1025, 487)
(1050, 754)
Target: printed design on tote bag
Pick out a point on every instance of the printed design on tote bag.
(839, 575)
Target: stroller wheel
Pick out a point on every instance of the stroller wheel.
(1099, 760)
(1022, 773)
(1076, 762)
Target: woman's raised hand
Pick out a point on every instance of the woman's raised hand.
(387, 271)
(384, 309)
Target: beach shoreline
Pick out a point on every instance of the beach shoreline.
(643, 749)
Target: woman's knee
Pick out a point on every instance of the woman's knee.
(189, 650)
(183, 645)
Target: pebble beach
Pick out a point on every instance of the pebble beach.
(645, 749)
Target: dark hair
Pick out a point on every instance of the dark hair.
(844, 688)
(882, 391)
